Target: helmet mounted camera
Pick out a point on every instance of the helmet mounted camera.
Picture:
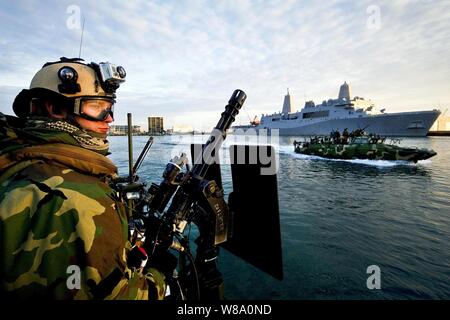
(68, 77)
(111, 76)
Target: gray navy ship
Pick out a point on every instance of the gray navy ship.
(343, 112)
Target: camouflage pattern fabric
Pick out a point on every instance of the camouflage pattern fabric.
(362, 148)
(57, 212)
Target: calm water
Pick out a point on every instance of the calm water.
(338, 218)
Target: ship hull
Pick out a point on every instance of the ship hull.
(364, 151)
(405, 124)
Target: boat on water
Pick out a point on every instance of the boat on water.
(358, 145)
(343, 112)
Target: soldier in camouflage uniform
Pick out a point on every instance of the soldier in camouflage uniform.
(63, 231)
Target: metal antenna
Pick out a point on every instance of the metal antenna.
(81, 40)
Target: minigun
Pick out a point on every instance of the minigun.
(195, 195)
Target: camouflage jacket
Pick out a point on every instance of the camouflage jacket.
(63, 231)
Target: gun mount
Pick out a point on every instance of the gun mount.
(247, 226)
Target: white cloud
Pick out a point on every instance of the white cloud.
(185, 57)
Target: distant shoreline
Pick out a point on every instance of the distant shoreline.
(155, 135)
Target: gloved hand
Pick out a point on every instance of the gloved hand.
(137, 257)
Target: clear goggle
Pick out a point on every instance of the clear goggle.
(94, 109)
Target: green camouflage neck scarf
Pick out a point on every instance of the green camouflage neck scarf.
(88, 140)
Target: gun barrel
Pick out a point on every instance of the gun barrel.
(142, 156)
(219, 133)
(184, 194)
(231, 110)
(130, 147)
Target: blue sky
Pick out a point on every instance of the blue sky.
(185, 58)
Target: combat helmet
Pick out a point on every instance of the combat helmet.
(69, 82)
